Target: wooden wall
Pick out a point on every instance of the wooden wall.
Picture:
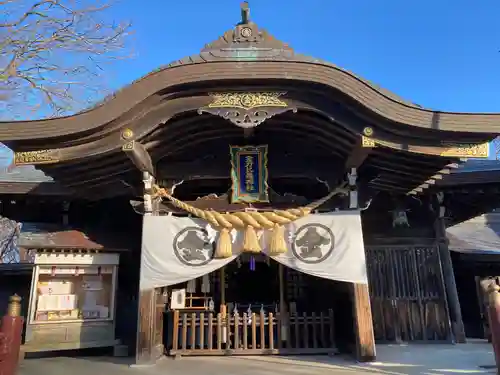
(406, 281)
(407, 293)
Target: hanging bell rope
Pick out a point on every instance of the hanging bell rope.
(250, 222)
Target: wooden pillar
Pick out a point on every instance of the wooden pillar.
(494, 319)
(457, 324)
(363, 323)
(149, 343)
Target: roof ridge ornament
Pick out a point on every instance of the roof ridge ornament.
(245, 13)
(246, 41)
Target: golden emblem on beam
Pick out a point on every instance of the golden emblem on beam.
(36, 157)
(480, 151)
(368, 131)
(246, 109)
(127, 134)
(367, 142)
(129, 146)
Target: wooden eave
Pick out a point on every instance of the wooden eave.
(171, 144)
(272, 60)
(43, 236)
(42, 189)
(471, 178)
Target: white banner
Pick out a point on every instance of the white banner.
(329, 246)
(176, 250)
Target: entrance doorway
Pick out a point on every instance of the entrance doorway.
(252, 284)
(262, 307)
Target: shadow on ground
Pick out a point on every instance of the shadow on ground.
(391, 359)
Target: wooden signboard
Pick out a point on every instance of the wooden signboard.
(249, 174)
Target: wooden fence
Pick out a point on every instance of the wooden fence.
(264, 333)
(407, 293)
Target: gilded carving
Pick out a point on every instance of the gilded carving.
(246, 109)
(247, 100)
(129, 146)
(127, 134)
(468, 151)
(36, 157)
(368, 131)
(367, 142)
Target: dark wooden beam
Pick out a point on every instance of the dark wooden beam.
(360, 151)
(222, 204)
(139, 156)
(279, 166)
(292, 166)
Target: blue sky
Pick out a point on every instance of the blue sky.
(442, 54)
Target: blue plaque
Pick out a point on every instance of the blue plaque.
(249, 174)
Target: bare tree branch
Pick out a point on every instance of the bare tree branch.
(53, 54)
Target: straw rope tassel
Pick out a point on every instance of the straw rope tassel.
(251, 241)
(224, 245)
(277, 244)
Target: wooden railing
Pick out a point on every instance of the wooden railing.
(247, 334)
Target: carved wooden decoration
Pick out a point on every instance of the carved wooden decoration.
(247, 109)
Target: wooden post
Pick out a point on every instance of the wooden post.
(222, 283)
(494, 318)
(363, 323)
(457, 324)
(283, 317)
(223, 307)
(145, 351)
(148, 350)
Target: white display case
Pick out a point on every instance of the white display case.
(72, 301)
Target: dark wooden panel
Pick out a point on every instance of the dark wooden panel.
(407, 293)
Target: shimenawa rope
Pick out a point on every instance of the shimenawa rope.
(250, 221)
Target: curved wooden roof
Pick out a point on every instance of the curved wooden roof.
(247, 60)
(333, 108)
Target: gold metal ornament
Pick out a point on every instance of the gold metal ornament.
(37, 157)
(468, 151)
(368, 131)
(247, 109)
(367, 142)
(127, 134)
(247, 100)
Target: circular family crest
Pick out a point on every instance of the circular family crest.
(192, 248)
(313, 243)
